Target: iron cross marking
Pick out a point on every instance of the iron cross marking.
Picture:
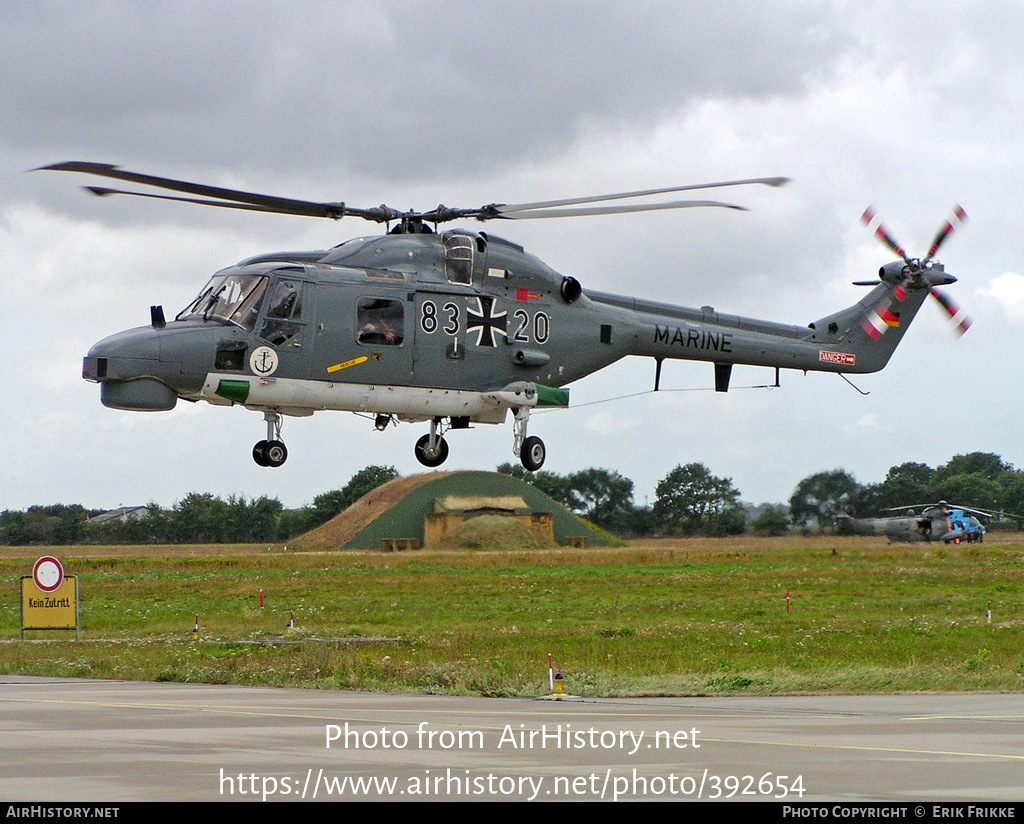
(486, 322)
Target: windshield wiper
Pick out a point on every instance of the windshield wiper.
(212, 301)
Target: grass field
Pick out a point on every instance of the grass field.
(672, 617)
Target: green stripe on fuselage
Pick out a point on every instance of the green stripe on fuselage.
(550, 396)
(237, 391)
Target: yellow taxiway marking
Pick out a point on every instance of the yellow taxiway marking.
(349, 711)
(965, 718)
(596, 717)
(861, 748)
(354, 362)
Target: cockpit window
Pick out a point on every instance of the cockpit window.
(232, 298)
(284, 311)
(284, 302)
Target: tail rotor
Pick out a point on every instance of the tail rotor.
(927, 273)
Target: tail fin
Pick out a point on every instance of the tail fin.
(872, 328)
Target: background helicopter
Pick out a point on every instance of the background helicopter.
(941, 521)
(450, 328)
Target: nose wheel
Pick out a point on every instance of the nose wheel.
(271, 452)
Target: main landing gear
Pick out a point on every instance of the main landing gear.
(530, 450)
(432, 449)
(271, 452)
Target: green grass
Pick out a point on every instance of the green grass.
(684, 617)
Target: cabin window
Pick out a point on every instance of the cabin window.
(458, 257)
(380, 322)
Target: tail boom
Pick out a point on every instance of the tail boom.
(858, 339)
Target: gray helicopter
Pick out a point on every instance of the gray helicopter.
(949, 523)
(450, 327)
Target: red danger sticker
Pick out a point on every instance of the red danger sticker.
(845, 358)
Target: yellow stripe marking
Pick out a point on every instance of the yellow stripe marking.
(354, 362)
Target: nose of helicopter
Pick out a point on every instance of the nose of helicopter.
(130, 371)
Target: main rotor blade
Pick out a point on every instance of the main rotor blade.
(272, 203)
(255, 201)
(610, 210)
(101, 191)
(547, 204)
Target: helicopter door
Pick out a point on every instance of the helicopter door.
(363, 335)
(440, 338)
(284, 324)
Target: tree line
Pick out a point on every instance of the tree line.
(198, 518)
(689, 500)
(981, 480)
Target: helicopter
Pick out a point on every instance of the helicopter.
(949, 523)
(449, 327)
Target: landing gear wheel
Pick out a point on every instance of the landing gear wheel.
(429, 457)
(257, 453)
(275, 453)
(533, 453)
(271, 452)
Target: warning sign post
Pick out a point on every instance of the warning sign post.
(49, 598)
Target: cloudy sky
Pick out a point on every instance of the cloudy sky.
(911, 107)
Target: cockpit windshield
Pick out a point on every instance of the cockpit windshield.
(232, 298)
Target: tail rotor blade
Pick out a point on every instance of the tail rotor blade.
(956, 314)
(871, 220)
(958, 217)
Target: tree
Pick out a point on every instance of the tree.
(820, 497)
(772, 521)
(252, 520)
(14, 529)
(365, 481)
(328, 504)
(987, 464)
(50, 524)
(906, 485)
(199, 518)
(550, 483)
(1011, 499)
(690, 500)
(605, 497)
(602, 496)
(968, 489)
(867, 499)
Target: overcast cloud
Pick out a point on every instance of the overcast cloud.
(910, 106)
